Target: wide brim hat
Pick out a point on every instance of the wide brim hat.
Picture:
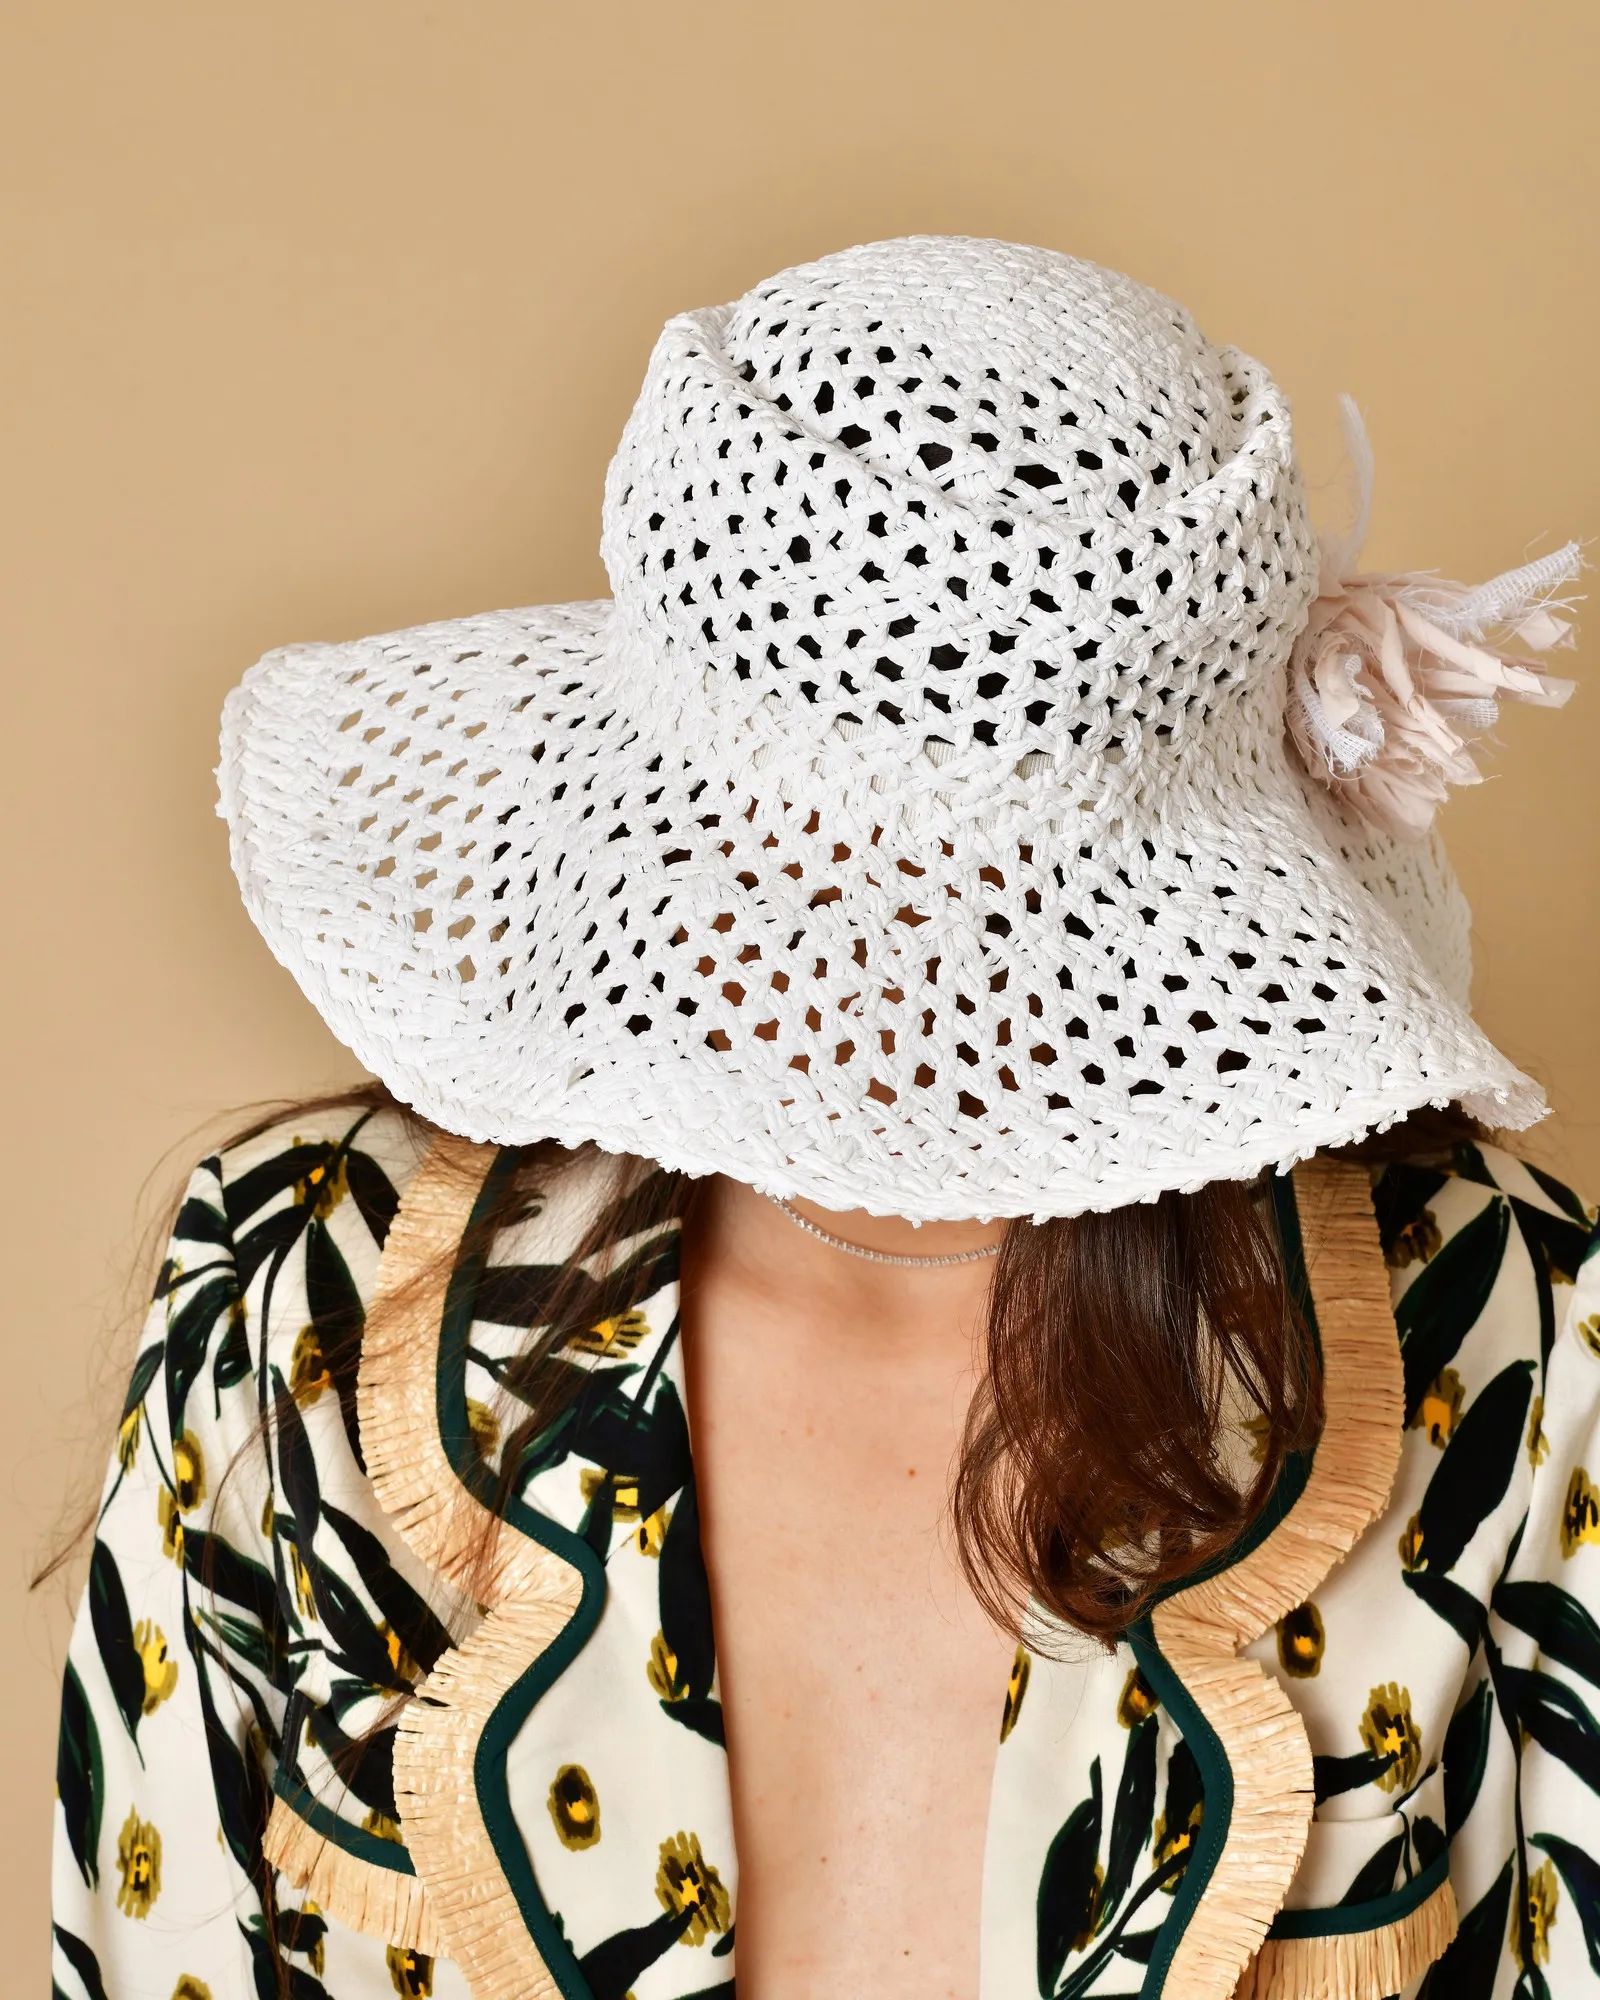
(914, 829)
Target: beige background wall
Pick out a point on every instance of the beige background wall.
(321, 317)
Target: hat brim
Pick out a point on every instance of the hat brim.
(533, 920)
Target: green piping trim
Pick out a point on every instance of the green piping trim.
(1216, 1778)
(354, 1840)
(1345, 1918)
(1216, 1773)
(512, 1709)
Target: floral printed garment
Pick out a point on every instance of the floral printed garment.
(254, 1619)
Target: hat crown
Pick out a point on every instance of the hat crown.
(959, 505)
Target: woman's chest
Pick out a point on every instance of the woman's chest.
(862, 1687)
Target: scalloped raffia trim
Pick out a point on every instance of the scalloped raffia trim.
(1201, 1629)
(1354, 1965)
(378, 1902)
(529, 1594)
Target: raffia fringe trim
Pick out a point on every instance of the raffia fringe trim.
(529, 1594)
(1355, 1965)
(378, 1902)
(1201, 1629)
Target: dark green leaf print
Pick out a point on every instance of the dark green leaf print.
(81, 1958)
(246, 1194)
(243, 1800)
(1447, 1297)
(614, 1964)
(1581, 1874)
(1131, 1817)
(1476, 1470)
(113, 1635)
(273, 1238)
(80, 1777)
(1069, 1886)
(297, 1465)
(189, 1336)
(1402, 1193)
(1333, 1776)
(686, 1599)
(373, 1193)
(231, 1362)
(274, 1979)
(144, 1373)
(1566, 1632)
(1554, 1716)
(1376, 1876)
(365, 1762)
(1457, 1607)
(419, 1631)
(339, 1317)
(222, 1571)
(1470, 1968)
(1466, 1755)
(201, 1222)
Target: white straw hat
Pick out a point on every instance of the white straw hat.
(914, 829)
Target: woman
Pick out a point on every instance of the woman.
(944, 991)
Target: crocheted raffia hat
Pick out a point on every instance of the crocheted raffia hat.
(916, 828)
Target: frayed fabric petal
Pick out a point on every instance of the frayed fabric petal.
(378, 1902)
(1201, 1629)
(1354, 1965)
(1394, 675)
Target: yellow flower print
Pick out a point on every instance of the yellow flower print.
(484, 1426)
(1387, 1729)
(1538, 1443)
(382, 1825)
(323, 1188)
(652, 1532)
(304, 1596)
(399, 1658)
(1439, 1411)
(128, 1438)
(1016, 1688)
(1588, 1331)
(188, 1472)
(267, 1517)
(1167, 1842)
(575, 1807)
(410, 1972)
(620, 1335)
(1085, 1937)
(190, 1988)
(687, 1881)
(139, 1864)
(1136, 1701)
(1301, 1638)
(624, 1492)
(663, 1670)
(1411, 1544)
(1416, 1243)
(1539, 1910)
(308, 1371)
(160, 1670)
(171, 1526)
(1580, 1517)
(318, 1954)
(1257, 1429)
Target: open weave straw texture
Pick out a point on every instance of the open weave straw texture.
(914, 828)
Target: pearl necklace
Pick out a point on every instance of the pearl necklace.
(880, 1256)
